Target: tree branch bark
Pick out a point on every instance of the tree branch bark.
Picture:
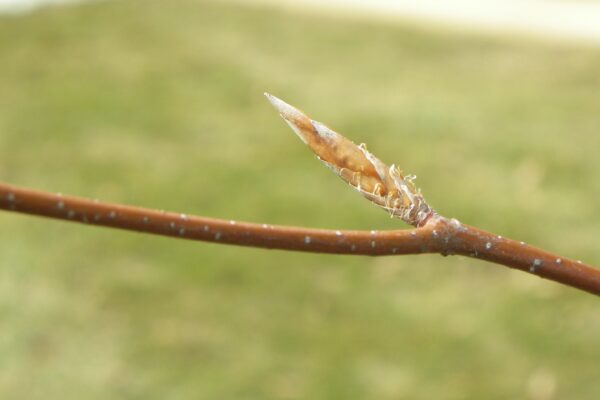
(438, 235)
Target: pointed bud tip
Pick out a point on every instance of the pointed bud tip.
(275, 102)
(300, 123)
(287, 111)
(272, 99)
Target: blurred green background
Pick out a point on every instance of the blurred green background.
(159, 104)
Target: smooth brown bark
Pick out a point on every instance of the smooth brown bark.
(438, 235)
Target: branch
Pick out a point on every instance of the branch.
(184, 226)
(384, 186)
(439, 235)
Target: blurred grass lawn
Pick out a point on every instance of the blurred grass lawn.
(160, 104)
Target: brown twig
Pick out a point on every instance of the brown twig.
(438, 235)
(384, 186)
(184, 226)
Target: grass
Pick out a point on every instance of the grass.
(159, 104)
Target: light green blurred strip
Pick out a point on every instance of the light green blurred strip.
(565, 20)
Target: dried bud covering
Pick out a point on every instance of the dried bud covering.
(383, 185)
